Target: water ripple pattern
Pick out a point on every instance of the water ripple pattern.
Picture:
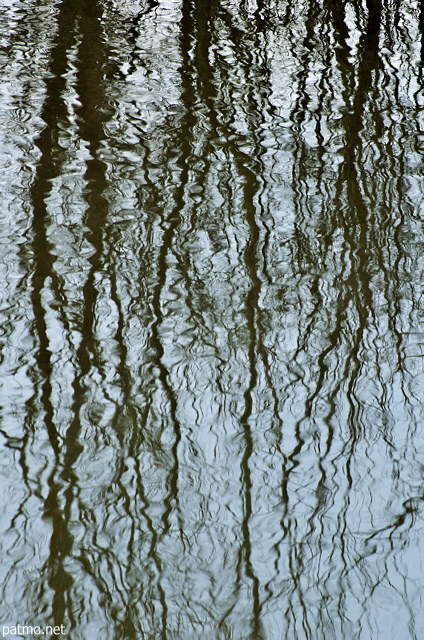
(212, 319)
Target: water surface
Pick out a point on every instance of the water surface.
(212, 318)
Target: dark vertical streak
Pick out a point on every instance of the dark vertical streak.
(54, 113)
(49, 166)
(169, 226)
(90, 89)
(251, 258)
(421, 28)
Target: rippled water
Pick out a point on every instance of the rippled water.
(212, 319)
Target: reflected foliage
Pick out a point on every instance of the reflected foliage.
(212, 318)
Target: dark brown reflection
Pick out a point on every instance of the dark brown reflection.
(78, 25)
(421, 27)
(54, 114)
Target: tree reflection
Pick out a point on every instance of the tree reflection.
(222, 270)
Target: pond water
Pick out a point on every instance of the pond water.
(212, 319)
